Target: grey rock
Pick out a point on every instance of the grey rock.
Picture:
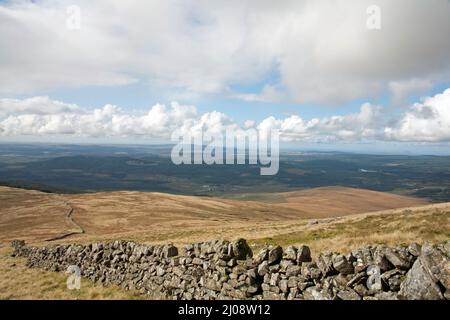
(393, 279)
(414, 249)
(242, 250)
(348, 294)
(386, 296)
(357, 279)
(263, 268)
(437, 264)
(275, 255)
(261, 256)
(303, 254)
(342, 265)
(170, 251)
(292, 282)
(361, 290)
(380, 260)
(274, 279)
(364, 259)
(419, 285)
(293, 270)
(290, 253)
(399, 259)
(212, 270)
(284, 285)
(325, 263)
(312, 293)
(268, 295)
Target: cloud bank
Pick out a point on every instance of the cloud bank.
(425, 121)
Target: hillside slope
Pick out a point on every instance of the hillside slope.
(37, 216)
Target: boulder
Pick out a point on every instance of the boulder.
(170, 251)
(429, 277)
(263, 268)
(348, 294)
(242, 250)
(261, 256)
(293, 270)
(414, 249)
(419, 285)
(398, 257)
(342, 265)
(275, 255)
(303, 254)
(380, 260)
(364, 259)
(290, 253)
(325, 263)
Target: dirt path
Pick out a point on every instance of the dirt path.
(69, 217)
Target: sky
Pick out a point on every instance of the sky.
(370, 76)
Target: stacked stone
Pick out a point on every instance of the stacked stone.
(227, 270)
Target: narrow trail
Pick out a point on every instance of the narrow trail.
(77, 229)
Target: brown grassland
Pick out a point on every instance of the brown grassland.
(332, 219)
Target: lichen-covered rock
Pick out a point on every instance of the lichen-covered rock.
(419, 285)
(429, 277)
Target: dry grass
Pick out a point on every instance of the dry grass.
(19, 282)
(156, 217)
(392, 227)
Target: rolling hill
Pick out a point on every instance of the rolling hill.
(326, 219)
(157, 217)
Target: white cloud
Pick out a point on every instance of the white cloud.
(428, 121)
(41, 116)
(321, 50)
(351, 127)
(36, 105)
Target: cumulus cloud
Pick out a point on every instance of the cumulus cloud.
(351, 127)
(321, 50)
(36, 105)
(40, 116)
(428, 121)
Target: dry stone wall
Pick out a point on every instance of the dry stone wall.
(228, 270)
